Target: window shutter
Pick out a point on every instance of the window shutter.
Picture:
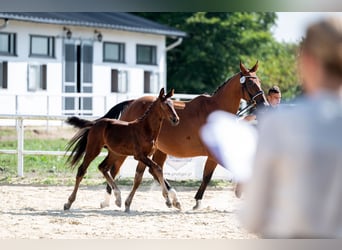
(115, 80)
(87, 58)
(70, 59)
(43, 76)
(147, 81)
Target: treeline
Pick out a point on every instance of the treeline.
(216, 43)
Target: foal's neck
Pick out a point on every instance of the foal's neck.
(152, 119)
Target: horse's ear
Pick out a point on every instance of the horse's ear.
(243, 68)
(161, 93)
(255, 67)
(172, 91)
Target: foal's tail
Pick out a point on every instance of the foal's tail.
(78, 122)
(114, 113)
(78, 145)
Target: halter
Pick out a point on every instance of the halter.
(251, 103)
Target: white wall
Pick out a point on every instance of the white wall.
(33, 102)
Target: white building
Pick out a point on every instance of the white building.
(79, 63)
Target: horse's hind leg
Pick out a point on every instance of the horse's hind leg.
(115, 166)
(159, 157)
(208, 171)
(139, 172)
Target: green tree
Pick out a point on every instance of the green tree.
(216, 43)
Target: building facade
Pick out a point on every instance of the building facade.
(79, 63)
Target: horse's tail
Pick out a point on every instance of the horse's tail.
(78, 122)
(78, 145)
(116, 111)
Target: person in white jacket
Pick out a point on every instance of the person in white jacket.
(295, 189)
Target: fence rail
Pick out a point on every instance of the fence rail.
(20, 138)
(176, 169)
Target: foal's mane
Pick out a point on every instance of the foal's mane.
(148, 110)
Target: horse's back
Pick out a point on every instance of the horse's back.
(137, 108)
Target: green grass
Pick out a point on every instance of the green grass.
(53, 170)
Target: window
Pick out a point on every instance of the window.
(119, 80)
(3, 75)
(8, 44)
(146, 54)
(113, 52)
(37, 77)
(42, 46)
(151, 82)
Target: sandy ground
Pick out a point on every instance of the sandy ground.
(36, 212)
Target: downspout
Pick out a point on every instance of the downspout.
(5, 24)
(175, 44)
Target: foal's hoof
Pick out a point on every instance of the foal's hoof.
(67, 206)
(168, 203)
(104, 204)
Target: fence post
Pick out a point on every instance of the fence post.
(20, 149)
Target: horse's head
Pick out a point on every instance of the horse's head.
(167, 107)
(251, 86)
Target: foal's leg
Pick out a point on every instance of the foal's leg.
(104, 168)
(208, 171)
(115, 165)
(139, 172)
(82, 169)
(159, 173)
(159, 157)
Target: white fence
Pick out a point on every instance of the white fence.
(174, 168)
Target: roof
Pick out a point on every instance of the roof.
(109, 20)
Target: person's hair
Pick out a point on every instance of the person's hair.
(324, 41)
(274, 90)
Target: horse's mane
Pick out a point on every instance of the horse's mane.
(223, 84)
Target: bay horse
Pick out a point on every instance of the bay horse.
(184, 140)
(137, 137)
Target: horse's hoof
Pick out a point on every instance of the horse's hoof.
(197, 206)
(238, 190)
(104, 204)
(168, 204)
(118, 202)
(177, 205)
(67, 206)
(127, 210)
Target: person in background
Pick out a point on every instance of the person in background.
(295, 188)
(274, 96)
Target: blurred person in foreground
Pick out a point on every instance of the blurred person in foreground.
(295, 188)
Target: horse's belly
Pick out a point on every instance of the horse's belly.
(181, 146)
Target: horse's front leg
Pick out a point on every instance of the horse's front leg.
(159, 174)
(104, 168)
(208, 171)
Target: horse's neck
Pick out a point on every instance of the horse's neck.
(228, 96)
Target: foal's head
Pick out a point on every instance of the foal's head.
(167, 108)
